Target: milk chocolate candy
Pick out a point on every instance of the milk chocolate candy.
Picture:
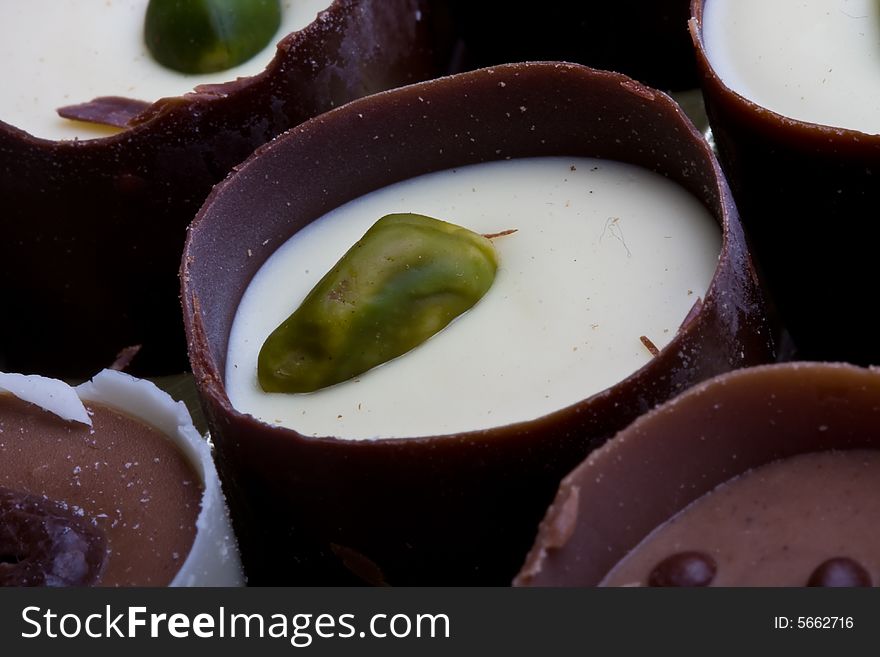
(785, 457)
(107, 484)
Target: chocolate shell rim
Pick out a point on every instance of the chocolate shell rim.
(804, 128)
(561, 519)
(207, 374)
(168, 108)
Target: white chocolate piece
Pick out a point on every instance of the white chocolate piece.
(64, 52)
(49, 394)
(604, 253)
(816, 60)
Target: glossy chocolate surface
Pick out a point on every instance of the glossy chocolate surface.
(123, 477)
(682, 450)
(93, 230)
(458, 508)
(808, 197)
(645, 39)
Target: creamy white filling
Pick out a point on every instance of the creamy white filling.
(604, 253)
(813, 60)
(63, 52)
(213, 559)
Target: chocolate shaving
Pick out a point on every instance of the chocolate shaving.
(492, 236)
(650, 346)
(359, 565)
(124, 358)
(107, 110)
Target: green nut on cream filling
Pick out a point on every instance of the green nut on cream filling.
(406, 279)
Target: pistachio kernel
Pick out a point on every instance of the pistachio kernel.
(206, 36)
(406, 279)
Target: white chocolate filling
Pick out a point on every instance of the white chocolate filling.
(604, 253)
(213, 559)
(812, 60)
(64, 52)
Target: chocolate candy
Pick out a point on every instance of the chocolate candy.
(458, 508)
(684, 569)
(840, 571)
(108, 484)
(796, 449)
(93, 229)
(808, 196)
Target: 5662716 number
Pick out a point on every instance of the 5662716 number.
(824, 622)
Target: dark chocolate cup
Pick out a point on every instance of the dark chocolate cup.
(645, 39)
(458, 508)
(93, 230)
(688, 446)
(809, 198)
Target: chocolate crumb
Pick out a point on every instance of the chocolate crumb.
(503, 233)
(124, 358)
(650, 346)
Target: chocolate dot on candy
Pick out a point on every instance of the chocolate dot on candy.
(840, 571)
(684, 569)
(45, 544)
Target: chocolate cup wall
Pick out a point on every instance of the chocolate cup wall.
(459, 508)
(93, 230)
(645, 39)
(682, 450)
(809, 198)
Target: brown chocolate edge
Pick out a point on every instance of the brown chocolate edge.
(93, 230)
(685, 448)
(460, 508)
(808, 197)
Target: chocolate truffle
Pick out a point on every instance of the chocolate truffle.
(459, 507)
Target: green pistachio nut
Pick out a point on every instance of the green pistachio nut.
(405, 280)
(206, 36)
